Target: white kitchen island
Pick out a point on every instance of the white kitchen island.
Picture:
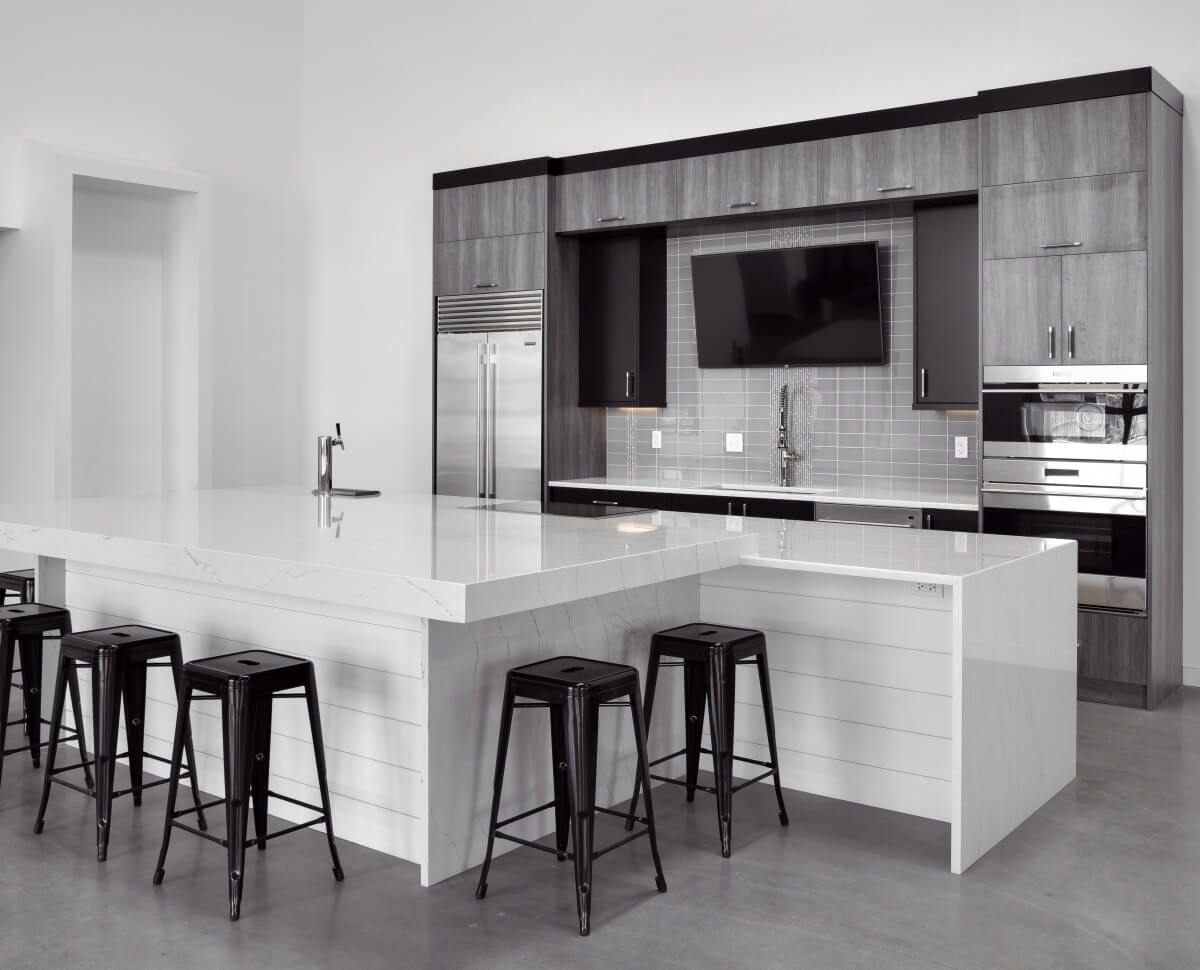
(955, 700)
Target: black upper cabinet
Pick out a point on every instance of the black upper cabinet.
(623, 320)
(946, 307)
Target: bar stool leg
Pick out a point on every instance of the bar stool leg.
(65, 666)
(176, 657)
(506, 713)
(6, 671)
(106, 710)
(720, 717)
(318, 739)
(262, 767)
(581, 715)
(643, 772)
(182, 730)
(651, 687)
(764, 684)
(80, 734)
(133, 688)
(562, 795)
(238, 716)
(695, 687)
(30, 649)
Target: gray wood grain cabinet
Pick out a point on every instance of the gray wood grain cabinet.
(1103, 136)
(613, 197)
(920, 161)
(1097, 214)
(1087, 309)
(720, 185)
(489, 265)
(503, 208)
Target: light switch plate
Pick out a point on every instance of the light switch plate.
(656, 438)
(733, 441)
(960, 446)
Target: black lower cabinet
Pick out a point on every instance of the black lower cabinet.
(950, 520)
(569, 501)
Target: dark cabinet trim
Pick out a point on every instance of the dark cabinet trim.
(767, 508)
(1134, 81)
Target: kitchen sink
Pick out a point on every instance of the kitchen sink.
(782, 489)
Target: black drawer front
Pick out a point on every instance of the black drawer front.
(950, 520)
(686, 502)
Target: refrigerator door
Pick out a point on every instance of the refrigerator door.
(460, 415)
(515, 403)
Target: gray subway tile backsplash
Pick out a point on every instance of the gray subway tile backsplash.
(848, 423)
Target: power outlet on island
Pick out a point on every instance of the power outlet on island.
(960, 446)
(928, 589)
(656, 438)
(733, 442)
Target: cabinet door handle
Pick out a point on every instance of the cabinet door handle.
(603, 501)
(1062, 245)
(729, 509)
(924, 383)
(1050, 343)
(628, 384)
(611, 219)
(896, 188)
(743, 508)
(1071, 343)
(485, 286)
(928, 520)
(741, 205)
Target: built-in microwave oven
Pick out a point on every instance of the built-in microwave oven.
(1066, 459)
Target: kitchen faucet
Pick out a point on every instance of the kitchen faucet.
(325, 445)
(786, 455)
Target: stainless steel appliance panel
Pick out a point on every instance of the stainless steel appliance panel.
(1066, 474)
(900, 518)
(515, 408)
(460, 414)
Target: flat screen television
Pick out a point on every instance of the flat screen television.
(806, 306)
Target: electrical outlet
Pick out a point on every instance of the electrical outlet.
(733, 442)
(960, 446)
(656, 438)
(928, 589)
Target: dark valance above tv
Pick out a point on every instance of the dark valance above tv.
(811, 306)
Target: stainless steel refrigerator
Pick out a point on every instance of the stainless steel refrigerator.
(488, 435)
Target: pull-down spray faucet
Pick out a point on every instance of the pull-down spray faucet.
(786, 455)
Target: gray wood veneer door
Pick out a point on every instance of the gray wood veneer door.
(1103, 213)
(1021, 301)
(1104, 300)
(490, 265)
(628, 196)
(721, 185)
(1103, 136)
(925, 160)
(502, 208)
(807, 173)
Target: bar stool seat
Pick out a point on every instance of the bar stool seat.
(23, 627)
(574, 689)
(19, 581)
(246, 683)
(710, 654)
(118, 658)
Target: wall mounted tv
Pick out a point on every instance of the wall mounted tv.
(807, 306)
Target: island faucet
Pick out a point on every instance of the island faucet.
(786, 455)
(325, 445)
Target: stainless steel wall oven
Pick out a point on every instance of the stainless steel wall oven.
(1067, 459)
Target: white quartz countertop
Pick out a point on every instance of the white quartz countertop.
(438, 558)
(954, 496)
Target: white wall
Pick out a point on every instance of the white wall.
(214, 87)
(396, 92)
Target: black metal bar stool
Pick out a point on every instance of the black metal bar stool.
(19, 581)
(247, 683)
(710, 655)
(118, 657)
(574, 689)
(24, 626)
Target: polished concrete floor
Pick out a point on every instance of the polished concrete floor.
(1106, 875)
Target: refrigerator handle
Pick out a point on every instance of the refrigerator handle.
(493, 353)
(481, 420)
